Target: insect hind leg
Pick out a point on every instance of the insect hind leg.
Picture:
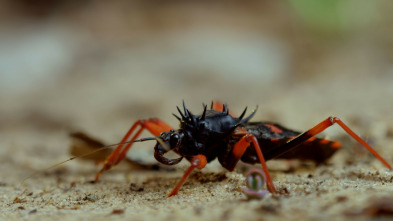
(295, 142)
(238, 151)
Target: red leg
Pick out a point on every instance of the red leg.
(153, 125)
(318, 129)
(198, 161)
(241, 146)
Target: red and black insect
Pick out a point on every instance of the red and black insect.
(217, 133)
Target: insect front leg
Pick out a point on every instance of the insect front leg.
(153, 125)
(198, 161)
(293, 143)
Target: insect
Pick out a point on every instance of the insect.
(217, 133)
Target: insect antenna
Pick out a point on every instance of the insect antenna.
(86, 154)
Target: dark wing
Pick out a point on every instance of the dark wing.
(271, 136)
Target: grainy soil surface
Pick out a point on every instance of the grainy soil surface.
(352, 184)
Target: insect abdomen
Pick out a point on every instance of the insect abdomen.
(317, 150)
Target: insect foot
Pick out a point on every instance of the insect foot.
(256, 185)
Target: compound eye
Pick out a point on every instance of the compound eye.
(174, 141)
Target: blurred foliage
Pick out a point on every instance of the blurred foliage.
(333, 16)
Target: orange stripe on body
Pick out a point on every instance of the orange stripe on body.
(274, 128)
(311, 139)
(275, 139)
(336, 145)
(324, 141)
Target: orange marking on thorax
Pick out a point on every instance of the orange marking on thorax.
(336, 144)
(240, 131)
(311, 139)
(274, 128)
(324, 141)
(217, 105)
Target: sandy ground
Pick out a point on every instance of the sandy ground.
(98, 67)
(350, 185)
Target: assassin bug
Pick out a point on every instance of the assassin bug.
(217, 133)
